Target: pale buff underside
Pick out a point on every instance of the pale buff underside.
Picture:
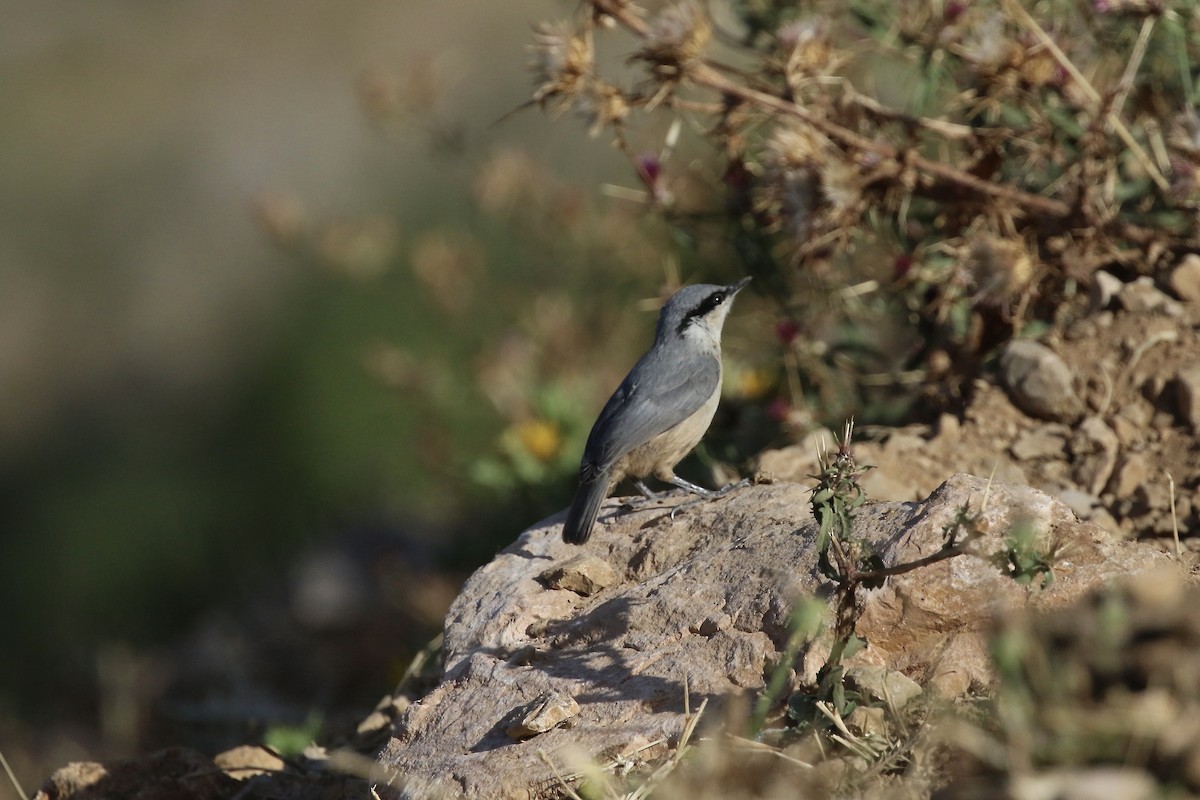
(659, 456)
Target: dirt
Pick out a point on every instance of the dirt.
(1122, 464)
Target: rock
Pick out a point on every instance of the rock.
(796, 462)
(1129, 434)
(1095, 449)
(903, 442)
(880, 683)
(1142, 296)
(247, 761)
(387, 710)
(1085, 783)
(546, 711)
(1105, 288)
(714, 625)
(175, 772)
(1039, 382)
(1080, 502)
(584, 574)
(1185, 279)
(885, 485)
(1131, 472)
(868, 720)
(1045, 442)
(627, 653)
(1187, 395)
(948, 427)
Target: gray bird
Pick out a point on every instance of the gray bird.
(662, 408)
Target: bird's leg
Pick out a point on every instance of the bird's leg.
(646, 491)
(700, 490)
(704, 494)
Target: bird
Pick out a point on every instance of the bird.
(662, 409)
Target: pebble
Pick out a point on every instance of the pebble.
(584, 574)
(1131, 472)
(1129, 434)
(1095, 448)
(904, 442)
(549, 710)
(1185, 279)
(1187, 395)
(881, 683)
(1043, 442)
(1039, 382)
(1079, 501)
(948, 427)
(1105, 287)
(1143, 296)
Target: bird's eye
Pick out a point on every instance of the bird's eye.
(718, 298)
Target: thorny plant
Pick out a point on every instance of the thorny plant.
(851, 563)
(979, 161)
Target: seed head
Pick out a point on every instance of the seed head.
(562, 61)
(677, 37)
(997, 268)
(808, 47)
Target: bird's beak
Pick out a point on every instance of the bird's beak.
(734, 288)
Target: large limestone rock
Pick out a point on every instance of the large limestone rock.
(703, 600)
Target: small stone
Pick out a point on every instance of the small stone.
(1080, 329)
(1187, 395)
(1040, 443)
(1128, 432)
(1095, 448)
(375, 722)
(1185, 279)
(881, 683)
(948, 427)
(878, 484)
(1154, 496)
(548, 710)
(1131, 472)
(1104, 290)
(1080, 502)
(1084, 783)
(1105, 520)
(247, 761)
(1039, 382)
(714, 625)
(868, 720)
(1143, 296)
(904, 442)
(584, 574)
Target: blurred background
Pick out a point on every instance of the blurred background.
(298, 325)
(306, 309)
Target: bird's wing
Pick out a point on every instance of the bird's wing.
(661, 391)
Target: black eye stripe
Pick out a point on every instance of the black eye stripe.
(708, 304)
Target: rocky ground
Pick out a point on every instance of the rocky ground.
(1103, 413)
(1091, 432)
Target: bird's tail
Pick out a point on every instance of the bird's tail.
(585, 508)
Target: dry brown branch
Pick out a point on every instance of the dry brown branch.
(1111, 116)
(703, 74)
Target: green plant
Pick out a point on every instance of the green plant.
(1024, 558)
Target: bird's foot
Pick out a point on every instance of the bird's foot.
(704, 494)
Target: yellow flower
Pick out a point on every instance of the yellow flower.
(539, 437)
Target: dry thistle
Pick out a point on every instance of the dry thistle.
(808, 49)
(997, 268)
(988, 47)
(806, 172)
(676, 38)
(601, 104)
(563, 61)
